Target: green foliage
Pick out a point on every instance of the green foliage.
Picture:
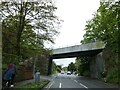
(105, 26)
(86, 73)
(9, 58)
(112, 76)
(41, 64)
(4, 66)
(83, 66)
(71, 67)
(26, 27)
(59, 68)
(36, 86)
(64, 69)
(54, 68)
(8, 36)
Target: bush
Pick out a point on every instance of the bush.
(9, 58)
(86, 73)
(4, 66)
(112, 76)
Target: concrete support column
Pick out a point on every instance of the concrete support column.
(50, 66)
(99, 65)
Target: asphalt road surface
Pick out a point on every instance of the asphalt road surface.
(76, 82)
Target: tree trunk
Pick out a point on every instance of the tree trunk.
(21, 28)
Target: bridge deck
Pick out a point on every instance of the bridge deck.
(80, 48)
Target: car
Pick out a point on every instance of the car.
(62, 72)
(68, 73)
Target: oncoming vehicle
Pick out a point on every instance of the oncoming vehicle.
(68, 73)
(62, 72)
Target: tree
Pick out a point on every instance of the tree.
(64, 68)
(59, 68)
(105, 27)
(82, 65)
(71, 67)
(54, 67)
(35, 20)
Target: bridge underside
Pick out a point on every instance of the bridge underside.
(77, 54)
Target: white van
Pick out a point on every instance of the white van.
(62, 72)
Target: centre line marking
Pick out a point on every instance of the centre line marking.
(60, 85)
(83, 85)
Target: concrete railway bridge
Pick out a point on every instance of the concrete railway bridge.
(93, 49)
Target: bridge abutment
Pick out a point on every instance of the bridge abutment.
(97, 66)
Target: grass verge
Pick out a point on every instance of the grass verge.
(36, 86)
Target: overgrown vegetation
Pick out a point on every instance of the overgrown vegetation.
(105, 26)
(54, 68)
(112, 76)
(82, 65)
(59, 68)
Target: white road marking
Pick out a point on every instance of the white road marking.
(60, 85)
(75, 81)
(51, 84)
(71, 78)
(83, 85)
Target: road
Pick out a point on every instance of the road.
(77, 82)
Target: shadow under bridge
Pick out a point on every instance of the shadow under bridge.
(83, 50)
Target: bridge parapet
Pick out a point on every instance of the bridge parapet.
(82, 47)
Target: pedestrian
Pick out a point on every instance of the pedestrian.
(7, 76)
(13, 74)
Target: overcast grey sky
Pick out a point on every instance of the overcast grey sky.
(75, 13)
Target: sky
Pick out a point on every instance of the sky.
(74, 13)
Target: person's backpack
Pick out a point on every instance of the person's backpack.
(7, 75)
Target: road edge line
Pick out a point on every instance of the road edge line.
(51, 84)
(84, 86)
(76, 81)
